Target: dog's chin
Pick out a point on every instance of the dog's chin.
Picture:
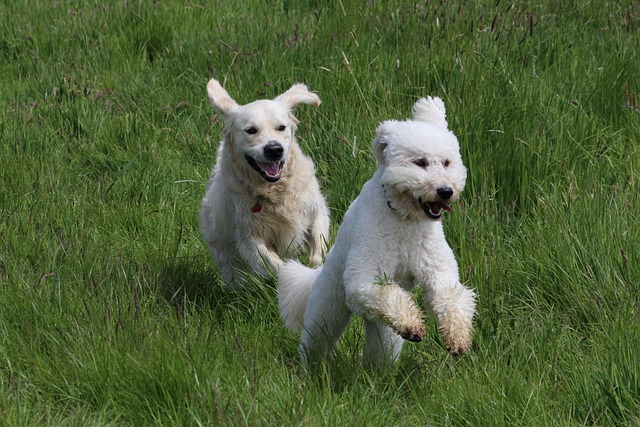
(269, 171)
(433, 210)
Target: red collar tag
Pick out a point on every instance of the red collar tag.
(256, 208)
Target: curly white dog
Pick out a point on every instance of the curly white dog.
(263, 200)
(391, 240)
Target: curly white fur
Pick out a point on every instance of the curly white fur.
(391, 240)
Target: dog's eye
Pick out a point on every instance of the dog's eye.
(447, 163)
(421, 163)
(251, 130)
(281, 128)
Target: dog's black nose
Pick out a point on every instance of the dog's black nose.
(273, 151)
(445, 193)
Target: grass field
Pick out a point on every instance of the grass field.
(111, 311)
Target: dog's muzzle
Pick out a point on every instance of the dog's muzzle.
(433, 209)
(271, 170)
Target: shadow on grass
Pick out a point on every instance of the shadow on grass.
(185, 277)
(184, 281)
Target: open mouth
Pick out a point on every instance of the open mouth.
(269, 171)
(434, 210)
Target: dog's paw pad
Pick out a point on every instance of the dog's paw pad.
(412, 334)
(458, 345)
(411, 337)
(458, 350)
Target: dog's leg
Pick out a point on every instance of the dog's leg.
(386, 303)
(454, 307)
(257, 255)
(222, 252)
(451, 302)
(226, 264)
(325, 319)
(382, 345)
(317, 237)
(215, 229)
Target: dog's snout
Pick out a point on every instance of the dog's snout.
(445, 193)
(273, 151)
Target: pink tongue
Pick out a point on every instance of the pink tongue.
(271, 169)
(446, 207)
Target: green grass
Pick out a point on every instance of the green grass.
(111, 310)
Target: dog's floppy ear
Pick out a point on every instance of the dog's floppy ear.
(380, 141)
(431, 110)
(220, 99)
(298, 94)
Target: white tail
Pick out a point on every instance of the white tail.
(295, 282)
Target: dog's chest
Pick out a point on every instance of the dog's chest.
(282, 226)
(409, 251)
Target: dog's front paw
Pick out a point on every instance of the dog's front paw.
(315, 260)
(457, 342)
(413, 334)
(454, 308)
(400, 312)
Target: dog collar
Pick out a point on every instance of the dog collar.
(384, 190)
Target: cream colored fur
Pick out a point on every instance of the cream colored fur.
(252, 216)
